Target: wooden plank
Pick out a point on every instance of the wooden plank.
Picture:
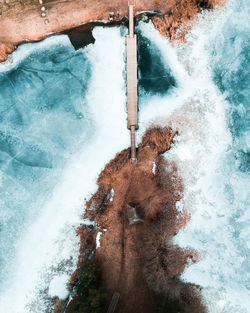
(114, 302)
(132, 81)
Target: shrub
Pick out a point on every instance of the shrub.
(90, 296)
(169, 306)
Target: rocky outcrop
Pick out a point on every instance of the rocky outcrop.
(135, 212)
(34, 22)
(180, 18)
(5, 50)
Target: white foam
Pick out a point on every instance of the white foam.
(179, 205)
(52, 240)
(88, 222)
(198, 110)
(58, 287)
(24, 50)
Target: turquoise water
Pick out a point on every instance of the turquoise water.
(209, 105)
(57, 109)
(231, 73)
(55, 138)
(42, 122)
(155, 76)
(231, 54)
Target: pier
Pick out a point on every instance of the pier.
(132, 101)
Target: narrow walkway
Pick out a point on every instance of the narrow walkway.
(132, 81)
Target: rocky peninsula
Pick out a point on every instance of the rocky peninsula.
(135, 216)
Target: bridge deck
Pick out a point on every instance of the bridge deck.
(132, 104)
(132, 81)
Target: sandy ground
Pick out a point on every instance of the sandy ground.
(27, 24)
(30, 25)
(138, 219)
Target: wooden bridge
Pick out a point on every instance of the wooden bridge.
(132, 104)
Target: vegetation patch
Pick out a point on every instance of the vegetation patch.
(168, 305)
(90, 295)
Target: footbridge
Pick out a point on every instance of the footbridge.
(132, 101)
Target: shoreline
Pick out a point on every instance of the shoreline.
(79, 35)
(82, 35)
(135, 217)
(35, 23)
(172, 18)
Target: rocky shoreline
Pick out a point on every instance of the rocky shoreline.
(5, 50)
(134, 210)
(135, 216)
(38, 21)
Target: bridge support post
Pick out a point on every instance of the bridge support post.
(133, 146)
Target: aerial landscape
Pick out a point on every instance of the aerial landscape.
(124, 156)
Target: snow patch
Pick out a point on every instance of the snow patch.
(98, 238)
(112, 193)
(154, 167)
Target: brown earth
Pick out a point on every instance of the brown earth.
(7, 6)
(136, 256)
(21, 21)
(5, 50)
(182, 16)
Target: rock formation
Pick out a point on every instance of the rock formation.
(135, 212)
(5, 50)
(181, 16)
(36, 20)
